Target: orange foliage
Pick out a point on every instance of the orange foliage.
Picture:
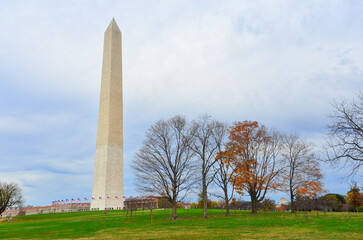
(250, 150)
(354, 198)
(311, 189)
(233, 202)
(281, 208)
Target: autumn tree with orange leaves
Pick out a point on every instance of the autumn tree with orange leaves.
(311, 189)
(301, 173)
(256, 151)
(354, 198)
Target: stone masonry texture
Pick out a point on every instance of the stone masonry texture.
(107, 188)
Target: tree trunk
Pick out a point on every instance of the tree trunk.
(254, 204)
(292, 202)
(227, 202)
(205, 200)
(227, 209)
(174, 214)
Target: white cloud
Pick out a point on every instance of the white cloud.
(33, 123)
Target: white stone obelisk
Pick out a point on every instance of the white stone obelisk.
(107, 189)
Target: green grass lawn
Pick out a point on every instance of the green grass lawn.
(240, 225)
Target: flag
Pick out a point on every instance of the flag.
(79, 199)
(124, 197)
(108, 197)
(116, 197)
(99, 198)
(67, 200)
(93, 198)
(73, 199)
(86, 199)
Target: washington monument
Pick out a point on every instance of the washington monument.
(107, 189)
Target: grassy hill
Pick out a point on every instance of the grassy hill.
(241, 225)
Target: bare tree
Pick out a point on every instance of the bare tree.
(164, 163)
(207, 137)
(301, 169)
(10, 195)
(345, 138)
(225, 180)
(224, 172)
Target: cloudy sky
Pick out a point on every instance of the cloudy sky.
(281, 63)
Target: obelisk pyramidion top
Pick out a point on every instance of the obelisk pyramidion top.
(113, 26)
(107, 189)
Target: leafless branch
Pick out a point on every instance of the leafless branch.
(345, 138)
(164, 165)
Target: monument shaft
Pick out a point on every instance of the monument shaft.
(107, 189)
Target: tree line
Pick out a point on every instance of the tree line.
(245, 158)
(178, 156)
